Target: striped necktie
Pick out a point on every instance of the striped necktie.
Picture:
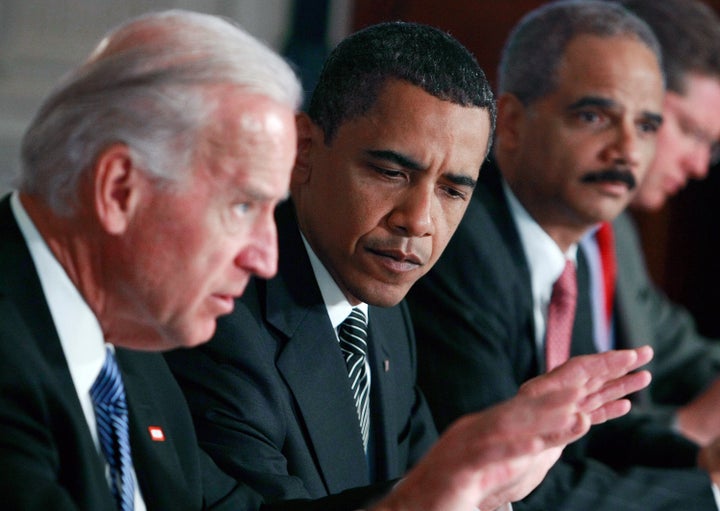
(111, 415)
(353, 343)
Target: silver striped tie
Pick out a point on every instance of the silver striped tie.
(353, 343)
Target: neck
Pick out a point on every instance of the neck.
(72, 241)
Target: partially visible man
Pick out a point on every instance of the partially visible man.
(686, 388)
(688, 32)
(288, 398)
(150, 176)
(578, 113)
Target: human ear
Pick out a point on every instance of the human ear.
(510, 117)
(117, 187)
(309, 137)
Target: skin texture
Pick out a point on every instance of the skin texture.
(603, 115)
(690, 129)
(379, 204)
(500, 454)
(214, 230)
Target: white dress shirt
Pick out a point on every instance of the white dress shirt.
(80, 334)
(546, 262)
(338, 307)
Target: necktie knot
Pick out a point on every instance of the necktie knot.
(111, 415)
(565, 288)
(353, 344)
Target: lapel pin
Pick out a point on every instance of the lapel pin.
(156, 433)
(386, 365)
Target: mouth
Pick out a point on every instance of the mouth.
(612, 177)
(224, 303)
(397, 260)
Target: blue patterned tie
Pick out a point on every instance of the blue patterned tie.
(353, 343)
(111, 414)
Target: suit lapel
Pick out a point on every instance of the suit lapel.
(312, 365)
(21, 286)
(383, 381)
(582, 335)
(492, 196)
(156, 463)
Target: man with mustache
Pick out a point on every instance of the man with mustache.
(291, 395)
(579, 107)
(686, 388)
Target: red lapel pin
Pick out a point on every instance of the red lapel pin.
(156, 433)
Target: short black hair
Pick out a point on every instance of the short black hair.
(421, 55)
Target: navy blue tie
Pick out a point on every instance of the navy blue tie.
(111, 415)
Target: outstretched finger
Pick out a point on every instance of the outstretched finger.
(614, 390)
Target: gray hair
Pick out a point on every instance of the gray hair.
(532, 54)
(147, 85)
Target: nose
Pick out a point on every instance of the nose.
(412, 215)
(625, 149)
(259, 254)
(696, 163)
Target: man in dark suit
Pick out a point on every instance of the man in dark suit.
(389, 153)
(120, 196)
(685, 389)
(579, 107)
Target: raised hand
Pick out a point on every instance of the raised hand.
(501, 454)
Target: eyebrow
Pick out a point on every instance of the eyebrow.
(409, 163)
(609, 104)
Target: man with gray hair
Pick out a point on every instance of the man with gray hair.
(628, 308)
(150, 176)
(579, 108)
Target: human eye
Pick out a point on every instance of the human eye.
(388, 172)
(588, 116)
(454, 193)
(240, 209)
(649, 126)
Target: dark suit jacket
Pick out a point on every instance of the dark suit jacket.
(473, 316)
(270, 393)
(47, 456)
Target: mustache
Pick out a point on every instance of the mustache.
(611, 175)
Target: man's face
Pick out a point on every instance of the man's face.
(686, 141)
(191, 250)
(379, 204)
(573, 157)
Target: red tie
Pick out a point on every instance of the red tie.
(606, 245)
(561, 316)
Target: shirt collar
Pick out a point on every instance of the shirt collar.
(338, 307)
(544, 257)
(80, 334)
